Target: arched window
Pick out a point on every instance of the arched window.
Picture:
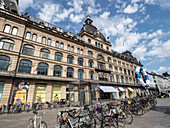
(100, 57)
(96, 43)
(101, 65)
(130, 79)
(80, 74)
(7, 28)
(101, 45)
(45, 53)
(90, 53)
(117, 78)
(91, 75)
(42, 69)
(34, 37)
(25, 66)
(116, 69)
(107, 48)
(90, 63)
(70, 72)
(78, 50)
(58, 56)
(61, 45)
(81, 52)
(120, 69)
(49, 42)
(122, 79)
(14, 31)
(134, 81)
(4, 62)
(28, 36)
(57, 71)
(109, 59)
(132, 73)
(57, 44)
(126, 79)
(72, 48)
(125, 72)
(111, 78)
(89, 41)
(6, 44)
(80, 61)
(128, 72)
(43, 40)
(28, 50)
(70, 59)
(110, 68)
(68, 47)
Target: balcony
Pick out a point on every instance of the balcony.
(102, 68)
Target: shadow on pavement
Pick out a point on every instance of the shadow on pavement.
(163, 109)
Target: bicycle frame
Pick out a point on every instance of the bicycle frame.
(35, 121)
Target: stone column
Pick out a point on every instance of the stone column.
(31, 90)
(63, 91)
(48, 92)
(117, 93)
(76, 95)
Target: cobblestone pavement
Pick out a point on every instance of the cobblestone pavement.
(159, 117)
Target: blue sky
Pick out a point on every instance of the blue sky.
(140, 26)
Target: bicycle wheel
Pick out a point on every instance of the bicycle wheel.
(84, 126)
(128, 117)
(121, 121)
(111, 122)
(43, 125)
(31, 123)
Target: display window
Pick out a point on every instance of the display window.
(1, 89)
(40, 94)
(56, 93)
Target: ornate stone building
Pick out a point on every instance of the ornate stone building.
(41, 62)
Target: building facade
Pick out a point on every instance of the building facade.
(40, 62)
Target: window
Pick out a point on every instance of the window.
(43, 40)
(110, 68)
(34, 37)
(49, 42)
(80, 74)
(28, 50)
(80, 61)
(134, 81)
(123, 64)
(57, 71)
(96, 43)
(6, 44)
(125, 72)
(14, 31)
(45, 53)
(89, 41)
(107, 48)
(109, 59)
(91, 75)
(4, 62)
(81, 51)
(70, 72)
(126, 80)
(7, 28)
(117, 78)
(68, 47)
(111, 78)
(122, 79)
(42, 69)
(130, 79)
(62, 46)
(127, 65)
(128, 72)
(116, 69)
(101, 45)
(119, 63)
(120, 69)
(132, 73)
(101, 65)
(78, 50)
(114, 61)
(57, 44)
(90, 63)
(25, 66)
(100, 57)
(28, 36)
(72, 48)
(58, 56)
(70, 59)
(90, 53)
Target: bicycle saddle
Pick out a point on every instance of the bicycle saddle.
(35, 112)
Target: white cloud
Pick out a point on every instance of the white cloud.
(161, 69)
(135, 1)
(23, 4)
(155, 34)
(164, 4)
(131, 8)
(76, 18)
(140, 52)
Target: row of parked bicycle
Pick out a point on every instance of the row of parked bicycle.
(109, 115)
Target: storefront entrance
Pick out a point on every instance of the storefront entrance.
(1, 89)
(40, 93)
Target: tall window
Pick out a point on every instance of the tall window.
(134, 81)
(111, 78)
(90, 63)
(43, 40)
(120, 69)
(72, 48)
(128, 72)
(57, 71)
(68, 47)
(45, 53)
(90, 53)
(130, 79)
(70, 59)
(80, 74)
(58, 56)
(28, 36)
(81, 52)
(125, 72)
(122, 79)
(110, 68)
(4, 62)
(96, 43)
(61, 45)
(78, 50)
(25, 66)
(42, 69)
(109, 59)
(89, 41)
(101, 65)
(80, 61)
(70, 72)
(6, 44)
(114, 61)
(100, 57)
(14, 31)
(132, 73)
(34, 37)
(116, 69)
(117, 78)
(28, 50)
(107, 48)
(49, 42)
(7, 28)
(126, 79)
(91, 75)
(57, 44)
(101, 45)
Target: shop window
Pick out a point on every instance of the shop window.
(126, 80)
(122, 79)
(42, 69)
(1, 89)
(72, 48)
(43, 40)
(70, 72)
(6, 44)
(57, 44)
(91, 75)
(90, 53)
(111, 78)
(78, 50)
(109, 59)
(40, 93)
(89, 41)
(100, 57)
(45, 53)
(25, 66)
(28, 36)
(4, 62)
(117, 79)
(56, 93)
(70, 59)
(61, 45)
(34, 37)
(80, 61)
(57, 71)
(110, 68)
(90, 63)
(49, 42)
(7, 28)
(14, 31)
(80, 74)
(28, 50)
(58, 56)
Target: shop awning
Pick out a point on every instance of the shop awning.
(108, 89)
(121, 89)
(131, 89)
